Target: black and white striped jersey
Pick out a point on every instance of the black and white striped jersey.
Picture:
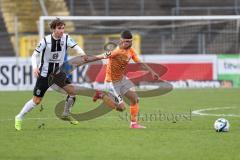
(53, 52)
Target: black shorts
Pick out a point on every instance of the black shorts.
(43, 83)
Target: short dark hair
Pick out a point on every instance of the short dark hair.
(56, 22)
(126, 34)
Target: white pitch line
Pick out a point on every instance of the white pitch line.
(200, 112)
(47, 118)
(195, 112)
(37, 118)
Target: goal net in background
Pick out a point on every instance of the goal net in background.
(156, 35)
(190, 47)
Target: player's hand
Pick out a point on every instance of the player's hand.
(107, 54)
(36, 72)
(155, 76)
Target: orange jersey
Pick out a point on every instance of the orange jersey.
(118, 62)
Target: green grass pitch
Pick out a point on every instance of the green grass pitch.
(109, 137)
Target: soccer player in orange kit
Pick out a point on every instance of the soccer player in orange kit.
(117, 84)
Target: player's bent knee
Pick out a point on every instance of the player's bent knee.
(135, 101)
(37, 100)
(120, 109)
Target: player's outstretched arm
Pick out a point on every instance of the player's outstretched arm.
(98, 57)
(83, 59)
(148, 68)
(93, 58)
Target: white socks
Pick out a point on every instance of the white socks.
(30, 105)
(68, 105)
(27, 107)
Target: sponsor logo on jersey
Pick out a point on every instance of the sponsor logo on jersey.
(38, 92)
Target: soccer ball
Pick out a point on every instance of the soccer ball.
(221, 125)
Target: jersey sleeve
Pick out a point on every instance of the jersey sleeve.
(135, 57)
(41, 45)
(70, 42)
(113, 53)
(79, 50)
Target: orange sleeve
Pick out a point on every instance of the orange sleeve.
(135, 57)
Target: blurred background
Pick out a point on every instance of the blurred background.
(197, 53)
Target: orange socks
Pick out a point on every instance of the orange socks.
(134, 112)
(133, 108)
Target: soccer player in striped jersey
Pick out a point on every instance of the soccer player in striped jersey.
(52, 49)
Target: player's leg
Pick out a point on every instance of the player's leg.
(128, 91)
(112, 98)
(134, 108)
(64, 85)
(66, 115)
(70, 100)
(28, 107)
(72, 90)
(114, 94)
(38, 92)
(107, 100)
